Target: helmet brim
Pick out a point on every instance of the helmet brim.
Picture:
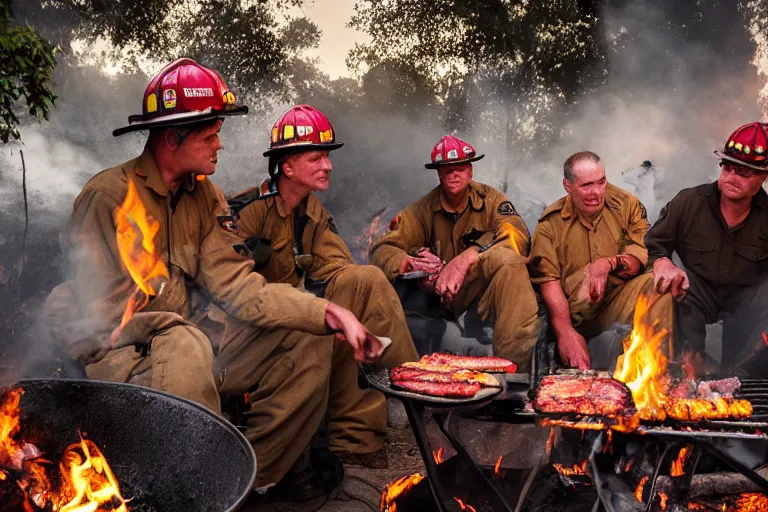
(437, 165)
(236, 110)
(299, 148)
(723, 156)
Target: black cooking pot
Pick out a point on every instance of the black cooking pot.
(167, 453)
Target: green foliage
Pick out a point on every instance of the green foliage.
(26, 71)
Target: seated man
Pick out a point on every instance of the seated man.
(587, 255)
(294, 240)
(720, 232)
(276, 345)
(476, 231)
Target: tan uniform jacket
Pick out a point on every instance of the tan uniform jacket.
(321, 253)
(563, 243)
(191, 244)
(423, 224)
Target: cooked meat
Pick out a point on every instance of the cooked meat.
(485, 363)
(569, 394)
(722, 386)
(696, 409)
(401, 373)
(452, 390)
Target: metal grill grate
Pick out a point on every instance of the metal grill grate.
(756, 391)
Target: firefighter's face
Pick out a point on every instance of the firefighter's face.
(309, 168)
(588, 188)
(737, 182)
(455, 178)
(198, 152)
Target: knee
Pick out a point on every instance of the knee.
(366, 276)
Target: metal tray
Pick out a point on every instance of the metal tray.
(381, 381)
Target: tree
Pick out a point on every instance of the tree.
(26, 71)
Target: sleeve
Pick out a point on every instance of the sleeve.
(407, 230)
(506, 221)
(330, 252)
(543, 262)
(661, 239)
(249, 222)
(235, 288)
(637, 228)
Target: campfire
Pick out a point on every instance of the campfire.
(81, 480)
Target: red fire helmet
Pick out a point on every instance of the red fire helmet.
(184, 92)
(302, 128)
(747, 146)
(452, 150)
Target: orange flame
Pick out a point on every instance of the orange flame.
(516, 239)
(639, 489)
(438, 455)
(752, 502)
(136, 231)
(400, 486)
(9, 425)
(465, 506)
(88, 476)
(577, 469)
(497, 467)
(663, 500)
(678, 466)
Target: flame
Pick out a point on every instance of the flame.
(9, 425)
(516, 239)
(678, 466)
(639, 489)
(465, 506)
(438, 455)
(577, 469)
(752, 502)
(581, 425)
(497, 467)
(663, 500)
(136, 232)
(400, 486)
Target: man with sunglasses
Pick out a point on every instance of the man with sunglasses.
(720, 232)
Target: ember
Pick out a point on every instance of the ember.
(400, 486)
(438, 455)
(85, 483)
(639, 489)
(464, 506)
(678, 467)
(497, 467)
(136, 232)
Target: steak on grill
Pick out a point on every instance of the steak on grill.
(401, 373)
(445, 390)
(587, 395)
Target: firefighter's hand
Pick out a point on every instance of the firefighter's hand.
(573, 350)
(452, 276)
(668, 277)
(627, 266)
(596, 279)
(366, 346)
(425, 261)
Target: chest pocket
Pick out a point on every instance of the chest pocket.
(280, 267)
(698, 253)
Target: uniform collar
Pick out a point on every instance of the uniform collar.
(476, 197)
(146, 167)
(311, 207)
(611, 201)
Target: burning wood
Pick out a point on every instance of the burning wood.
(84, 482)
(401, 486)
(136, 231)
(678, 466)
(577, 469)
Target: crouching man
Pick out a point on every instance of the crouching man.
(472, 243)
(720, 232)
(276, 345)
(587, 256)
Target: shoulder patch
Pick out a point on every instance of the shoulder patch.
(643, 211)
(394, 224)
(332, 225)
(506, 208)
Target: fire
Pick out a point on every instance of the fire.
(400, 486)
(577, 469)
(497, 467)
(678, 466)
(639, 489)
(516, 239)
(580, 425)
(136, 232)
(752, 502)
(465, 506)
(86, 481)
(438, 455)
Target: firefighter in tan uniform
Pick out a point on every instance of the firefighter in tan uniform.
(273, 345)
(472, 244)
(294, 240)
(587, 256)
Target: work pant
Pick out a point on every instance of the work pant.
(499, 287)
(744, 315)
(618, 307)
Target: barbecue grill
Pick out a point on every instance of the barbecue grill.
(511, 404)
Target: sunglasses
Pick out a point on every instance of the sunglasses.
(740, 170)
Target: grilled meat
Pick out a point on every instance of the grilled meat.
(445, 390)
(401, 373)
(485, 363)
(696, 409)
(569, 394)
(728, 386)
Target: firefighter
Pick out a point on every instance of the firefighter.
(587, 257)
(720, 232)
(472, 244)
(294, 240)
(275, 345)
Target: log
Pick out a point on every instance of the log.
(710, 484)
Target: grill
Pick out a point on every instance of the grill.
(510, 404)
